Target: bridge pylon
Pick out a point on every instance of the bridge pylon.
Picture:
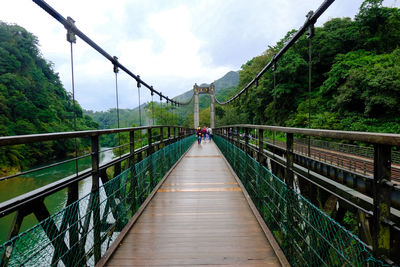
(204, 90)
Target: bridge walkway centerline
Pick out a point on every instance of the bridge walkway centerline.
(199, 216)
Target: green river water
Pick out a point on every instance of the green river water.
(20, 185)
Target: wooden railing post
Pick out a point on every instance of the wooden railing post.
(236, 143)
(161, 138)
(260, 146)
(150, 141)
(73, 195)
(149, 153)
(133, 170)
(180, 138)
(169, 135)
(259, 176)
(96, 197)
(174, 134)
(289, 160)
(229, 133)
(132, 148)
(382, 200)
(246, 140)
(236, 135)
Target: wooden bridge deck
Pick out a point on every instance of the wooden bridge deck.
(199, 216)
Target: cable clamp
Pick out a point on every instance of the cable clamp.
(115, 64)
(70, 33)
(310, 31)
(138, 81)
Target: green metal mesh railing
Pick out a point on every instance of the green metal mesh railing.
(306, 234)
(81, 233)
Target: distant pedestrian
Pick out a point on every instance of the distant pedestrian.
(204, 133)
(209, 131)
(198, 133)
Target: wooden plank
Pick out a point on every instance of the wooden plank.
(133, 220)
(198, 216)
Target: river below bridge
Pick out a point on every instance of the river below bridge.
(54, 203)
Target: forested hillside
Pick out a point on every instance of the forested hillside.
(224, 88)
(355, 77)
(109, 119)
(32, 100)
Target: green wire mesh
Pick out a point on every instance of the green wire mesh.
(82, 232)
(306, 234)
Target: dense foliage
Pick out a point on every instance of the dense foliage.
(355, 77)
(33, 100)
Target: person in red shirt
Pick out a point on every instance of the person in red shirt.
(204, 133)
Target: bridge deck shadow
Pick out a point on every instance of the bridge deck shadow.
(199, 216)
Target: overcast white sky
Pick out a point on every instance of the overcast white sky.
(170, 44)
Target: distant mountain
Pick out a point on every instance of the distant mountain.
(231, 79)
(224, 88)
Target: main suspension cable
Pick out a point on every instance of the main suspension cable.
(71, 26)
(310, 21)
(116, 96)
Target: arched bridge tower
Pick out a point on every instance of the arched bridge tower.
(204, 90)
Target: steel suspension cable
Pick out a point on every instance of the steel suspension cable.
(274, 95)
(116, 96)
(152, 107)
(309, 93)
(310, 21)
(71, 38)
(187, 102)
(310, 35)
(140, 113)
(166, 114)
(162, 112)
(67, 24)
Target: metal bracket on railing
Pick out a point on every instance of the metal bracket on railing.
(70, 34)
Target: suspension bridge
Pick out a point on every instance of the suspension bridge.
(243, 198)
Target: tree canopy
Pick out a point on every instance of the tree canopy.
(355, 77)
(33, 100)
